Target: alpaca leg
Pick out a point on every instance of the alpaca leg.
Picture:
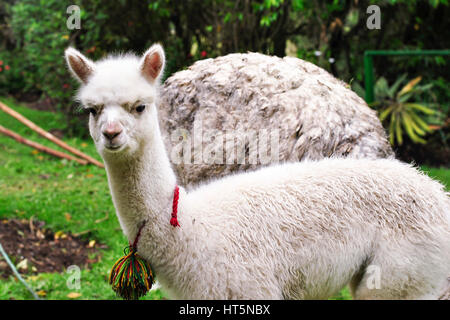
(402, 279)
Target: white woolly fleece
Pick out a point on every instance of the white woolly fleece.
(114, 81)
(304, 231)
(291, 231)
(316, 115)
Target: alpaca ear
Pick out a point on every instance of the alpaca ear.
(80, 66)
(152, 63)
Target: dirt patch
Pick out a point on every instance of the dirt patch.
(43, 250)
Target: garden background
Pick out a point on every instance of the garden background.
(73, 200)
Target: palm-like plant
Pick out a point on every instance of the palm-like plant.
(402, 115)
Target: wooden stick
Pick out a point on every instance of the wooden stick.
(83, 232)
(48, 135)
(39, 146)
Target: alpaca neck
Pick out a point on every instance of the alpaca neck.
(142, 187)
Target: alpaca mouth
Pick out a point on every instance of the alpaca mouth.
(113, 147)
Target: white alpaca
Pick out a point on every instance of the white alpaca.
(292, 231)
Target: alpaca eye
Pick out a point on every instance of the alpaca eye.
(140, 108)
(92, 111)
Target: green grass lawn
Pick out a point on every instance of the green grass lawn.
(68, 188)
(81, 191)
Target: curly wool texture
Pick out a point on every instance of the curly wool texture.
(300, 230)
(304, 231)
(316, 114)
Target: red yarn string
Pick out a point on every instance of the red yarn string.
(174, 219)
(134, 245)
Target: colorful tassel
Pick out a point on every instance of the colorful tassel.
(131, 276)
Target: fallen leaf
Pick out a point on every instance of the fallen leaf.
(39, 234)
(70, 176)
(67, 216)
(23, 265)
(35, 151)
(90, 175)
(74, 295)
(59, 234)
(91, 244)
(84, 145)
(41, 293)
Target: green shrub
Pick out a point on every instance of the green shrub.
(36, 66)
(42, 36)
(401, 115)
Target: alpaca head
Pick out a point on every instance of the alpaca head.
(120, 93)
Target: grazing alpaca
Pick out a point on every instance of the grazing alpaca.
(293, 231)
(315, 114)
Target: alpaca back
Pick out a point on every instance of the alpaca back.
(386, 191)
(316, 224)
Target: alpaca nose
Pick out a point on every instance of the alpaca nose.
(112, 131)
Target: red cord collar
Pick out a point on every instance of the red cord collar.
(174, 219)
